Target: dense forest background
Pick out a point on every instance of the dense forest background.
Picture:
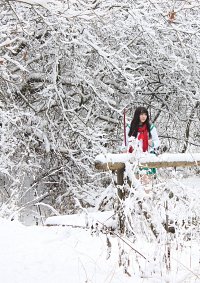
(67, 71)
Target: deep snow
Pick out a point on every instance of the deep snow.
(72, 255)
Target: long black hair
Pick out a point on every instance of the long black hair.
(135, 123)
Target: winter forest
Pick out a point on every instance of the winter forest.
(68, 69)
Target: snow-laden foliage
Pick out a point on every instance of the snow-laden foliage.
(68, 69)
(167, 218)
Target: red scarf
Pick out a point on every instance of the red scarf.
(143, 135)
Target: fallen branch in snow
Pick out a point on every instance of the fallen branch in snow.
(120, 237)
(65, 225)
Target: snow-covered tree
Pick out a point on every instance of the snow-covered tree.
(67, 71)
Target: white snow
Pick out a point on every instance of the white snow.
(38, 2)
(81, 220)
(171, 157)
(147, 157)
(115, 157)
(66, 254)
(49, 255)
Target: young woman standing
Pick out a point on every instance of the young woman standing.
(143, 131)
(145, 137)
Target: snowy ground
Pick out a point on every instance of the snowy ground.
(50, 255)
(72, 255)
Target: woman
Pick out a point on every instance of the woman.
(145, 138)
(142, 130)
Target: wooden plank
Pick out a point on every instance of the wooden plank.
(109, 166)
(150, 164)
(165, 164)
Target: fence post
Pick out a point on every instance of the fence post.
(121, 196)
(120, 182)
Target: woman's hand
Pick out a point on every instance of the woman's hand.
(150, 143)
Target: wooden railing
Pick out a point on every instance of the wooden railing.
(116, 162)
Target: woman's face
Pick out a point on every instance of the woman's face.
(143, 117)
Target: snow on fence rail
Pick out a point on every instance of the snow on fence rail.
(117, 161)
